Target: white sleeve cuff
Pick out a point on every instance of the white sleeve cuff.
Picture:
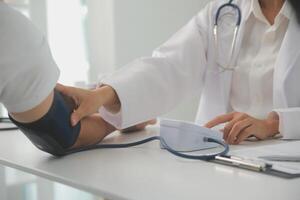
(115, 119)
(289, 125)
(111, 118)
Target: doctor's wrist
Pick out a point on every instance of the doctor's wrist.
(111, 100)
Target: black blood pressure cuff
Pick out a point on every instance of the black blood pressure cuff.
(53, 133)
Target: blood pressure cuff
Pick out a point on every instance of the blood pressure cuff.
(53, 133)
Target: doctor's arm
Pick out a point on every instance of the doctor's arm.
(151, 86)
(91, 100)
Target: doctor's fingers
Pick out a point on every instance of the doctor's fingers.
(145, 124)
(88, 105)
(244, 135)
(139, 127)
(228, 127)
(75, 93)
(66, 90)
(220, 120)
(79, 114)
(88, 101)
(237, 129)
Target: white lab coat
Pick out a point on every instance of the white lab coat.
(186, 65)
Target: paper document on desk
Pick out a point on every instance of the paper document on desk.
(280, 151)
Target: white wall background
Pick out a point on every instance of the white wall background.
(142, 25)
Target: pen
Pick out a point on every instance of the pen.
(242, 163)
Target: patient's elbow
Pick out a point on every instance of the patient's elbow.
(35, 113)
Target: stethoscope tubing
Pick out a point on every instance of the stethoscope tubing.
(235, 7)
(236, 30)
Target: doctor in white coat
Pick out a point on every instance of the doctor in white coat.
(259, 97)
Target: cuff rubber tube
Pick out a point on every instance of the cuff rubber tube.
(53, 133)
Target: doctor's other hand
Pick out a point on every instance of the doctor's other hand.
(139, 127)
(240, 126)
(89, 101)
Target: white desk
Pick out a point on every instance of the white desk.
(145, 172)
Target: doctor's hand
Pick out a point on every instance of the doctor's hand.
(139, 127)
(89, 101)
(240, 126)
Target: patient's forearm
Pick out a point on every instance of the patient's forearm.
(93, 130)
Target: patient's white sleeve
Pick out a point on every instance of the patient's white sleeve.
(28, 71)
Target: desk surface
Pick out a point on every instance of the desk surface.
(145, 172)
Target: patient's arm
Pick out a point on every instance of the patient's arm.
(36, 113)
(93, 128)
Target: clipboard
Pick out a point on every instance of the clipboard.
(258, 166)
(258, 159)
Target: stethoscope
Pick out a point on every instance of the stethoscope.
(7, 121)
(235, 33)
